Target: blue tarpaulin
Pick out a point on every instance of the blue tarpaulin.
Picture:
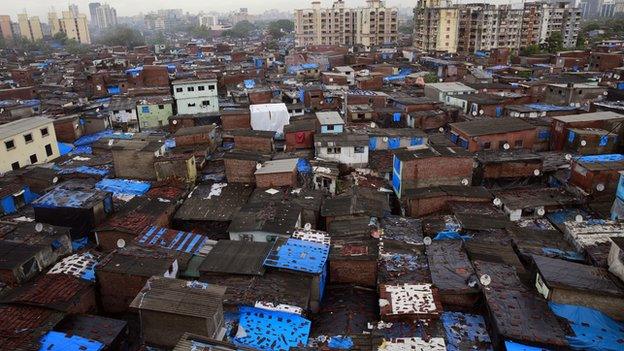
(249, 83)
(566, 255)
(594, 330)
(123, 186)
(396, 117)
(463, 330)
(65, 148)
(450, 235)
(299, 255)
(543, 135)
(170, 143)
(303, 166)
(57, 341)
(340, 342)
(271, 330)
(306, 66)
(85, 170)
(416, 141)
(79, 244)
(92, 138)
(514, 346)
(601, 158)
(604, 140)
(372, 143)
(394, 143)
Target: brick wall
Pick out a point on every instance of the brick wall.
(350, 271)
(67, 130)
(117, 290)
(292, 144)
(236, 120)
(251, 143)
(276, 180)
(25, 93)
(240, 171)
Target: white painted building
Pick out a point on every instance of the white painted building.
(194, 96)
(346, 148)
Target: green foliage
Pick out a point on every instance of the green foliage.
(122, 36)
(74, 47)
(61, 37)
(407, 27)
(530, 50)
(200, 32)
(278, 28)
(431, 78)
(240, 30)
(554, 43)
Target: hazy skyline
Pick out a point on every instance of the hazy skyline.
(134, 7)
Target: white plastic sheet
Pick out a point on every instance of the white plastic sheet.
(271, 117)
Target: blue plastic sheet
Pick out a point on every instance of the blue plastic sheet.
(372, 143)
(65, 148)
(571, 136)
(450, 235)
(594, 330)
(299, 255)
(567, 255)
(514, 346)
(601, 158)
(57, 341)
(396, 117)
(604, 140)
(249, 83)
(303, 166)
(271, 330)
(123, 186)
(464, 329)
(394, 143)
(340, 342)
(79, 244)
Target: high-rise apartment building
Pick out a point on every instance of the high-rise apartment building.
(468, 28)
(75, 27)
(29, 27)
(5, 27)
(372, 25)
(102, 15)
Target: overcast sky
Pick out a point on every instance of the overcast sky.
(133, 7)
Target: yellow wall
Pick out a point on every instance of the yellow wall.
(447, 30)
(22, 150)
(30, 27)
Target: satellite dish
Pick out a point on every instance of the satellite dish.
(568, 157)
(174, 121)
(385, 139)
(474, 113)
(583, 143)
(110, 142)
(485, 280)
(54, 180)
(506, 146)
(541, 212)
(258, 165)
(307, 226)
(373, 125)
(600, 187)
(38, 227)
(481, 112)
(441, 129)
(605, 93)
(121, 243)
(497, 202)
(427, 240)
(536, 172)
(465, 181)
(578, 218)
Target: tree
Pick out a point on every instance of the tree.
(122, 36)
(240, 30)
(530, 50)
(200, 32)
(431, 78)
(554, 43)
(278, 28)
(74, 47)
(407, 27)
(60, 37)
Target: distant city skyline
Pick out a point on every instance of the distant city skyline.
(131, 8)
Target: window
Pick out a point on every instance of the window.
(330, 127)
(179, 90)
(190, 89)
(48, 149)
(206, 103)
(161, 107)
(15, 166)
(191, 104)
(145, 109)
(201, 88)
(211, 87)
(487, 145)
(333, 150)
(358, 149)
(9, 144)
(33, 158)
(129, 111)
(28, 138)
(518, 143)
(44, 132)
